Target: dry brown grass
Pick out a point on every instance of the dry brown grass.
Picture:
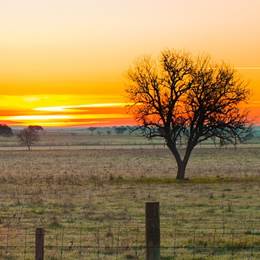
(89, 190)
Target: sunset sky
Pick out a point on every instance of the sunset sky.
(64, 62)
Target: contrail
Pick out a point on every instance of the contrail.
(248, 67)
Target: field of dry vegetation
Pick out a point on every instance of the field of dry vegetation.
(91, 201)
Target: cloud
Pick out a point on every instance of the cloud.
(83, 106)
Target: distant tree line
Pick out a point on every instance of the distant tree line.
(119, 130)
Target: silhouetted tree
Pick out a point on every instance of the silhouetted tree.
(179, 96)
(5, 130)
(28, 136)
(92, 129)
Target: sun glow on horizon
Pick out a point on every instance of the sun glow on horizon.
(42, 110)
(75, 107)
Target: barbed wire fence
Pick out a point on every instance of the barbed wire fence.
(129, 240)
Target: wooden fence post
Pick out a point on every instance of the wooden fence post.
(152, 230)
(39, 244)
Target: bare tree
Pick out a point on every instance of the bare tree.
(183, 98)
(92, 129)
(28, 136)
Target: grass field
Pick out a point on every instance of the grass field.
(91, 202)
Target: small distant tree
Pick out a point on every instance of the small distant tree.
(92, 129)
(5, 130)
(182, 98)
(29, 136)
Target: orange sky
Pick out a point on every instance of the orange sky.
(63, 62)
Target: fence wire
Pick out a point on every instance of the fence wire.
(128, 242)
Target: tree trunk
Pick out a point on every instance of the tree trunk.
(181, 170)
(181, 163)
